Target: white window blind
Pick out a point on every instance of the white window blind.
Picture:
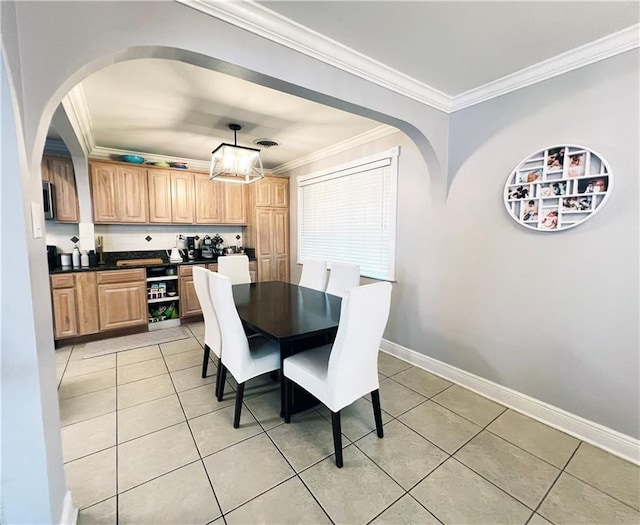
(348, 214)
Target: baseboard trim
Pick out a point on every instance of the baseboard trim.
(69, 514)
(598, 435)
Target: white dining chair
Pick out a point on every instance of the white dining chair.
(244, 357)
(341, 277)
(314, 274)
(235, 267)
(339, 374)
(212, 338)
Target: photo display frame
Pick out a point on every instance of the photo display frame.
(557, 188)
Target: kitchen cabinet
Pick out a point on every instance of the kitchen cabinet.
(59, 171)
(234, 199)
(189, 304)
(272, 192)
(268, 228)
(75, 304)
(119, 193)
(122, 298)
(208, 202)
(170, 196)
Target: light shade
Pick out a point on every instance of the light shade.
(233, 163)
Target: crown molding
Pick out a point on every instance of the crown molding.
(263, 22)
(605, 47)
(368, 136)
(75, 105)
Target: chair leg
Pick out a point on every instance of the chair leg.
(286, 385)
(337, 437)
(205, 361)
(218, 375)
(239, 396)
(223, 380)
(377, 413)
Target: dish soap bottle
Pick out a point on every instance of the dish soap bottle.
(75, 257)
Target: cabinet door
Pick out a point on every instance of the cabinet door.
(64, 184)
(264, 238)
(87, 302)
(263, 192)
(132, 195)
(159, 196)
(208, 201)
(281, 269)
(104, 194)
(280, 229)
(265, 270)
(280, 192)
(189, 304)
(64, 313)
(122, 305)
(44, 170)
(235, 203)
(182, 197)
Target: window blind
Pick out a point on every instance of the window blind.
(349, 215)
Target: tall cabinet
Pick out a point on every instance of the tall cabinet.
(268, 227)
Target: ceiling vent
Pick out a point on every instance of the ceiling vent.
(265, 143)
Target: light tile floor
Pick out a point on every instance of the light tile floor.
(144, 441)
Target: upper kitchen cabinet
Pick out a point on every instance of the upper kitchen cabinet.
(119, 193)
(59, 171)
(234, 199)
(171, 197)
(209, 203)
(272, 192)
(268, 228)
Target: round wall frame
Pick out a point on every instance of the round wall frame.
(557, 188)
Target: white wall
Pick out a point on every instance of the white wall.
(132, 237)
(32, 479)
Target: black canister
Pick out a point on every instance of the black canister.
(93, 258)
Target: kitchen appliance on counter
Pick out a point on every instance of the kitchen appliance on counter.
(207, 247)
(175, 256)
(52, 256)
(191, 248)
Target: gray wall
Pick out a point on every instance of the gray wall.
(551, 315)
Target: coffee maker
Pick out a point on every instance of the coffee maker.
(207, 247)
(191, 248)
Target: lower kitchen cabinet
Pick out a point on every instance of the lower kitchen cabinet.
(122, 298)
(75, 304)
(189, 304)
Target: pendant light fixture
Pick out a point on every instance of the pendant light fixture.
(233, 163)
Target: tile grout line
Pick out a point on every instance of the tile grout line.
(195, 443)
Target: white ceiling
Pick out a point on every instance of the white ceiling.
(169, 108)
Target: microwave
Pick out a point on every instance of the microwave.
(48, 200)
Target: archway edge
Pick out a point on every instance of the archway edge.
(203, 41)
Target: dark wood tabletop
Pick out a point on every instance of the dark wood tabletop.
(297, 318)
(286, 312)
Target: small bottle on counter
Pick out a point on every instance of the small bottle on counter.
(75, 257)
(84, 259)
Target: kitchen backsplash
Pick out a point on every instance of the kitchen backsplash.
(119, 237)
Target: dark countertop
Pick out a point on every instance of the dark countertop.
(112, 265)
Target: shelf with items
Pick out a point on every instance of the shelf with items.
(557, 188)
(162, 297)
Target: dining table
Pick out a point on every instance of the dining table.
(296, 318)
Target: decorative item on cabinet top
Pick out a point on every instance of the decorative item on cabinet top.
(133, 159)
(557, 188)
